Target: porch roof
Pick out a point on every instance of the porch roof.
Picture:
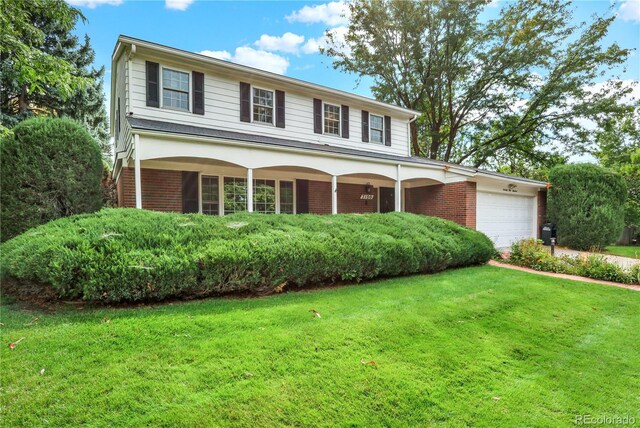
(198, 131)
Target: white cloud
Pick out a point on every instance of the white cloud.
(630, 10)
(178, 4)
(246, 55)
(217, 54)
(288, 42)
(313, 45)
(333, 13)
(91, 4)
(494, 3)
(608, 86)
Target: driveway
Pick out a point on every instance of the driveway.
(623, 262)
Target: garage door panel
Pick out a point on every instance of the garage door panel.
(505, 218)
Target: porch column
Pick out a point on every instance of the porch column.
(398, 204)
(137, 171)
(334, 194)
(250, 190)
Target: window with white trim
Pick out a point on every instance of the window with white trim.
(235, 195)
(286, 197)
(376, 129)
(210, 195)
(262, 106)
(331, 119)
(175, 89)
(264, 196)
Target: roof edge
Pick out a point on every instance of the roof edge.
(124, 39)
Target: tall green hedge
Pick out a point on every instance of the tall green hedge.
(49, 168)
(586, 202)
(135, 255)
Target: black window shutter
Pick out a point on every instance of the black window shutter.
(198, 92)
(280, 109)
(317, 116)
(245, 102)
(153, 84)
(387, 130)
(302, 196)
(190, 192)
(365, 126)
(345, 121)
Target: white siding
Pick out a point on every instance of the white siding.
(222, 111)
(121, 93)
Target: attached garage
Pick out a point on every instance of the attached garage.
(505, 217)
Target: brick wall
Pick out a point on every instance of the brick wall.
(161, 189)
(454, 201)
(542, 210)
(320, 197)
(349, 199)
(126, 187)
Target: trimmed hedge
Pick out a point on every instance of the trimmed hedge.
(131, 255)
(532, 254)
(49, 168)
(587, 203)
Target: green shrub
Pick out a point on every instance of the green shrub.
(49, 168)
(532, 254)
(587, 203)
(136, 255)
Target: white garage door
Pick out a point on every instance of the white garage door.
(505, 218)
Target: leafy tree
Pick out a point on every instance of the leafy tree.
(508, 85)
(45, 70)
(49, 168)
(586, 202)
(618, 148)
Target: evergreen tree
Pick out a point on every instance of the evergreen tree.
(82, 99)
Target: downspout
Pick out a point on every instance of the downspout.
(128, 107)
(409, 122)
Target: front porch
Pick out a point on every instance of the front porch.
(193, 175)
(219, 188)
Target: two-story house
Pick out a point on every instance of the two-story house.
(195, 134)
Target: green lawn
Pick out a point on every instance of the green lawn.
(624, 251)
(479, 346)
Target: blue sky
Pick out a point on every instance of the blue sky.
(279, 36)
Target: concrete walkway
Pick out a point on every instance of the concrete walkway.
(623, 262)
(564, 276)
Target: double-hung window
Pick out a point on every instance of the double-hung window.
(235, 195)
(331, 119)
(264, 196)
(376, 124)
(175, 89)
(210, 195)
(286, 197)
(262, 106)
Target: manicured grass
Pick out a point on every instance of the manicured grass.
(624, 251)
(478, 346)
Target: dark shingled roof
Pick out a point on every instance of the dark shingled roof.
(198, 131)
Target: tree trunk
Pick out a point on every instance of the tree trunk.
(413, 130)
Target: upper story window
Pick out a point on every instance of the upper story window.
(175, 89)
(331, 119)
(376, 124)
(262, 106)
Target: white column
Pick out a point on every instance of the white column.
(249, 190)
(334, 194)
(137, 171)
(398, 192)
